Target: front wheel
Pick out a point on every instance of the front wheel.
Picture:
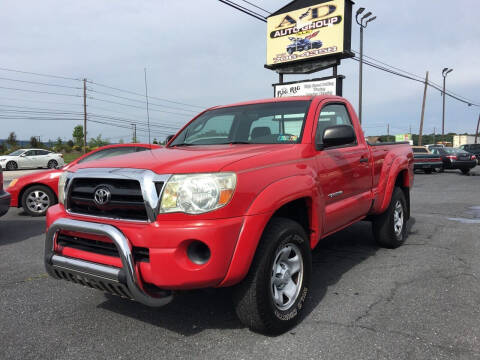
(270, 299)
(428, 171)
(37, 199)
(465, 171)
(11, 165)
(390, 228)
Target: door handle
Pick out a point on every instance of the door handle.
(363, 159)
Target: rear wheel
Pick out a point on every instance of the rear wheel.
(465, 171)
(37, 199)
(428, 171)
(11, 165)
(390, 228)
(52, 164)
(271, 297)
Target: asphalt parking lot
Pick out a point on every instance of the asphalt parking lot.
(421, 301)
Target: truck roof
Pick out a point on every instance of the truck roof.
(283, 99)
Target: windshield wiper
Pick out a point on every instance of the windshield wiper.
(234, 142)
(182, 144)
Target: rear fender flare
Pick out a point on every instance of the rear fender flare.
(390, 172)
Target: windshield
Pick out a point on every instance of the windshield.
(267, 123)
(16, 153)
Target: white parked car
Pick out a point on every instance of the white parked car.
(31, 159)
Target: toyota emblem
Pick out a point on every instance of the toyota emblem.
(102, 196)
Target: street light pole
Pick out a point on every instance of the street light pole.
(363, 22)
(445, 72)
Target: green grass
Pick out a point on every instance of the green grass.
(69, 157)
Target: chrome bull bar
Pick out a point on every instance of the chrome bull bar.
(121, 281)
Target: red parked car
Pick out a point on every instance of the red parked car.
(38, 191)
(4, 196)
(239, 197)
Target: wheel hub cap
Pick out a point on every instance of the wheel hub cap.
(287, 276)
(38, 201)
(398, 218)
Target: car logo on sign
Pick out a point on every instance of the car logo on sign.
(102, 196)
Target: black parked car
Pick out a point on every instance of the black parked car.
(454, 158)
(4, 197)
(473, 149)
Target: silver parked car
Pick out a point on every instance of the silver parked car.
(31, 159)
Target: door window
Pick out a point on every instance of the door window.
(331, 115)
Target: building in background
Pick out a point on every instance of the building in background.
(459, 140)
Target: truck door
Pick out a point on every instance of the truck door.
(344, 173)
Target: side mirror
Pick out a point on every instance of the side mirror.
(169, 137)
(23, 155)
(337, 135)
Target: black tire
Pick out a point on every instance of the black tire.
(44, 196)
(465, 171)
(428, 171)
(442, 169)
(385, 230)
(290, 51)
(52, 164)
(11, 165)
(254, 297)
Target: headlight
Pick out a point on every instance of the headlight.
(3, 159)
(12, 183)
(197, 193)
(62, 181)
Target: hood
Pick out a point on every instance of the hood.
(188, 159)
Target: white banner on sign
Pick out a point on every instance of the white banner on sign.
(307, 88)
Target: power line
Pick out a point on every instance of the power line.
(39, 101)
(38, 92)
(39, 74)
(137, 107)
(143, 95)
(438, 86)
(140, 101)
(256, 6)
(244, 10)
(469, 103)
(40, 83)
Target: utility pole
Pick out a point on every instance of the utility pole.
(134, 133)
(434, 134)
(423, 112)
(388, 132)
(84, 116)
(478, 125)
(360, 77)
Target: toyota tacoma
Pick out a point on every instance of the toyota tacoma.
(238, 198)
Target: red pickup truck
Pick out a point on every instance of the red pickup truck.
(239, 197)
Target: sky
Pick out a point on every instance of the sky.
(204, 53)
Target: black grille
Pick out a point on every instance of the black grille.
(126, 201)
(100, 247)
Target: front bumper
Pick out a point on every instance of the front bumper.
(168, 267)
(123, 281)
(4, 202)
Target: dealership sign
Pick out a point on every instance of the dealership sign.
(329, 86)
(320, 29)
